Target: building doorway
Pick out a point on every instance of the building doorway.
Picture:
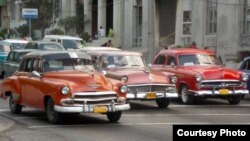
(109, 17)
(94, 18)
(167, 17)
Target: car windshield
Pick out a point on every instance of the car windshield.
(122, 61)
(68, 64)
(197, 59)
(5, 48)
(18, 45)
(73, 44)
(50, 47)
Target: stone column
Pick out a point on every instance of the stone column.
(102, 13)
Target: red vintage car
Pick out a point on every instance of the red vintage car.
(63, 82)
(200, 75)
(142, 83)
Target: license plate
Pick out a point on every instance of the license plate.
(151, 96)
(100, 109)
(223, 91)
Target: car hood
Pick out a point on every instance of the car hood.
(214, 72)
(141, 76)
(79, 81)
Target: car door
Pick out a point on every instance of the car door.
(34, 89)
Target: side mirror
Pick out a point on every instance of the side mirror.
(148, 68)
(172, 64)
(104, 72)
(36, 74)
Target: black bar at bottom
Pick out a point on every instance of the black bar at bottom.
(211, 132)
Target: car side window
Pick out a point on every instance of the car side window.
(160, 60)
(10, 56)
(28, 46)
(246, 65)
(28, 65)
(171, 60)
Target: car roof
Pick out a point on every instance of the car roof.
(97, 48)
(43, 42)
(4, 43)
(73, 54)
(186, 51)
(23, 50)
(16, 41)
(115, 52)
(62, 37)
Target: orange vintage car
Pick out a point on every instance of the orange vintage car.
(63, 82)
(201, 76)
(143, 83)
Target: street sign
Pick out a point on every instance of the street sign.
(29, 13)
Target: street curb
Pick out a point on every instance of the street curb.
(5, 123)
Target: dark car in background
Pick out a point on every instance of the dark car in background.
(245, 67)
(44, 45)
(8, 67)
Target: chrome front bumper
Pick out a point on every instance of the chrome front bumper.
(158, 95)
(216, 92)
(90, 108)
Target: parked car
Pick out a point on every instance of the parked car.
(5, 48)
(68, 42)
(17, 43)
(245, 67)
(44, 45)
(142, 83)
(63, 82)
(201, 76)
(11, 65)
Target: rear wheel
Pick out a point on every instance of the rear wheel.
(53, 116)
(162, 102)
(14, 108)
(114, 116)
(185, 97)
(235, 100)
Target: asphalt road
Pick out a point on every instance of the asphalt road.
(144, 122)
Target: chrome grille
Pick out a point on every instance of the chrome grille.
(102, 98)
(147, 88)
(221, 84)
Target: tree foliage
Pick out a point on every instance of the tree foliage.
(45, 10)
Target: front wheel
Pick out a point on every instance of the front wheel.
(162, 102)
(14, 108)
(185, 97)
(235, 100)
(53, 116)
(114, 116)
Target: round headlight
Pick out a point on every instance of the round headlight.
(65, 90)
(174, 79)
(244, 77)
(124, 89)
(124, 79)
(198, 78)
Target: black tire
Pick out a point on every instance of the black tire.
(52, 116)
(185, 97)
(234, 100)
(162, 102)
(114, 116)
(14, 108)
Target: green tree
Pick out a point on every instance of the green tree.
(75, 22)
(45, 8)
